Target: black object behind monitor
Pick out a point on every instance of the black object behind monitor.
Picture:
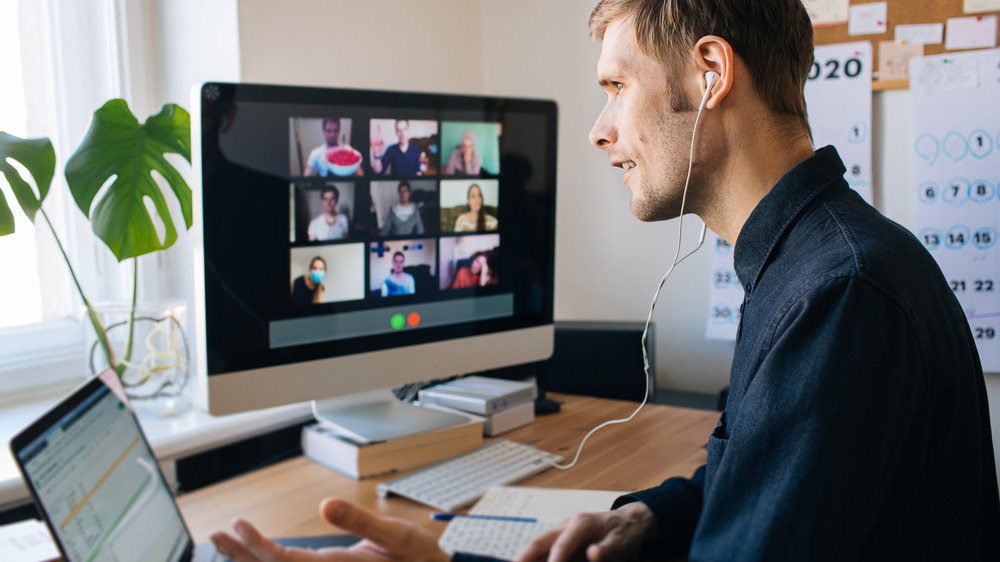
(601, 359)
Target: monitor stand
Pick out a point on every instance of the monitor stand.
(378, 415)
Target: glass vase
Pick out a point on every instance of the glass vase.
(156, 373)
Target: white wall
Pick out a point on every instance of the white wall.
(432, 45)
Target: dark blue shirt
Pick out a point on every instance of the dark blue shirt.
(399, 163)
(856, 426)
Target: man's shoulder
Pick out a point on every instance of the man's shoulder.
(843, 240)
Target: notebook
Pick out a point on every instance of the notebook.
(99, 486)
(506, 539)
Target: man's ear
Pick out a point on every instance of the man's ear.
(714, 53)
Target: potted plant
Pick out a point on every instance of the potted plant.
(122, 153)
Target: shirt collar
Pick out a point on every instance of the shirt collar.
(772, 217)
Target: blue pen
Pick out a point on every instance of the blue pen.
(450, 516)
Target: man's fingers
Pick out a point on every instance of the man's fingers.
(359, 521)
(579, 533)
(539, 546)
(231, 548)
(258, 545)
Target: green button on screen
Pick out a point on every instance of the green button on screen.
(397, 321)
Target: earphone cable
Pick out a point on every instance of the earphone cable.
(656, 295)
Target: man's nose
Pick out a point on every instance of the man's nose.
(603, 134)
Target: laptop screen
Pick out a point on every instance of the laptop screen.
(99, 484)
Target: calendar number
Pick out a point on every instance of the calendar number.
(987, 333)
(834, 69)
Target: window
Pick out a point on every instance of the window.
(20, 295)
(55, 59)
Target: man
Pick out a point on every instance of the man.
(402, 158)
(856, 426)
(317, 164)
(398, 282)
(329, 225)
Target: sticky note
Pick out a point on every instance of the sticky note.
(868, 19)
(894, 60)
(976, 6)
(947, 73)
(920, 34)
(976, 32)
(826, 12)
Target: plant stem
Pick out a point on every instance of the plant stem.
(131, 318)
(95, 320)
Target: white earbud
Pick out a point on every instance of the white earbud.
(710, 78)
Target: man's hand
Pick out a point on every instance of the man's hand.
(384, 540)
(609, 535)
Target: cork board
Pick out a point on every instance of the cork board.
(899, 12)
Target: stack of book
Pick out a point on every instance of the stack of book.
(322, 445)
(504, 405)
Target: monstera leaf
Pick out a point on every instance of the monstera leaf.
(38, 157)
(117, 146)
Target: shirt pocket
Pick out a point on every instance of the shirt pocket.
(716, 449)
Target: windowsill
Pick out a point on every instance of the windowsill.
(173, 438)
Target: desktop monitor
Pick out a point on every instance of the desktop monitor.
(349, 241)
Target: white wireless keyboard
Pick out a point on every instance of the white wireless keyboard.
(462, 480)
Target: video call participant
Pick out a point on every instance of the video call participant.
(465, 159)
(476, 274)
(401, 159)
(317, 164)
(475, 219)
(329, 225)
(398, 282)
(857, 426)
(403, 218)
(308, 288)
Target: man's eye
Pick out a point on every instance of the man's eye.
(618, 86)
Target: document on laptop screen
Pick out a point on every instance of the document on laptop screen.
(101, 487)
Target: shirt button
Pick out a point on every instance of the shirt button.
(747, 287)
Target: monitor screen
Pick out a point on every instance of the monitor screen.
(343, 222)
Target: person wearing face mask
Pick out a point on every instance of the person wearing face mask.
(308, 288)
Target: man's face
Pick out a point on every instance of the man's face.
(401, 128)
(331, 132)
(643, 128)
(329, 202)
(404, 195)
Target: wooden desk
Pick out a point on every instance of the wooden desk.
(283, 499)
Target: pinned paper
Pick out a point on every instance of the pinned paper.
(894, 60)
(976, 32)
(946, 73)
(920, 34)
(826, 12)
(868, 19)
(976, 6)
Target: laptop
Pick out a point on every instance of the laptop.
(99, 486)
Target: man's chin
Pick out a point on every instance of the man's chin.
(650, 211)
